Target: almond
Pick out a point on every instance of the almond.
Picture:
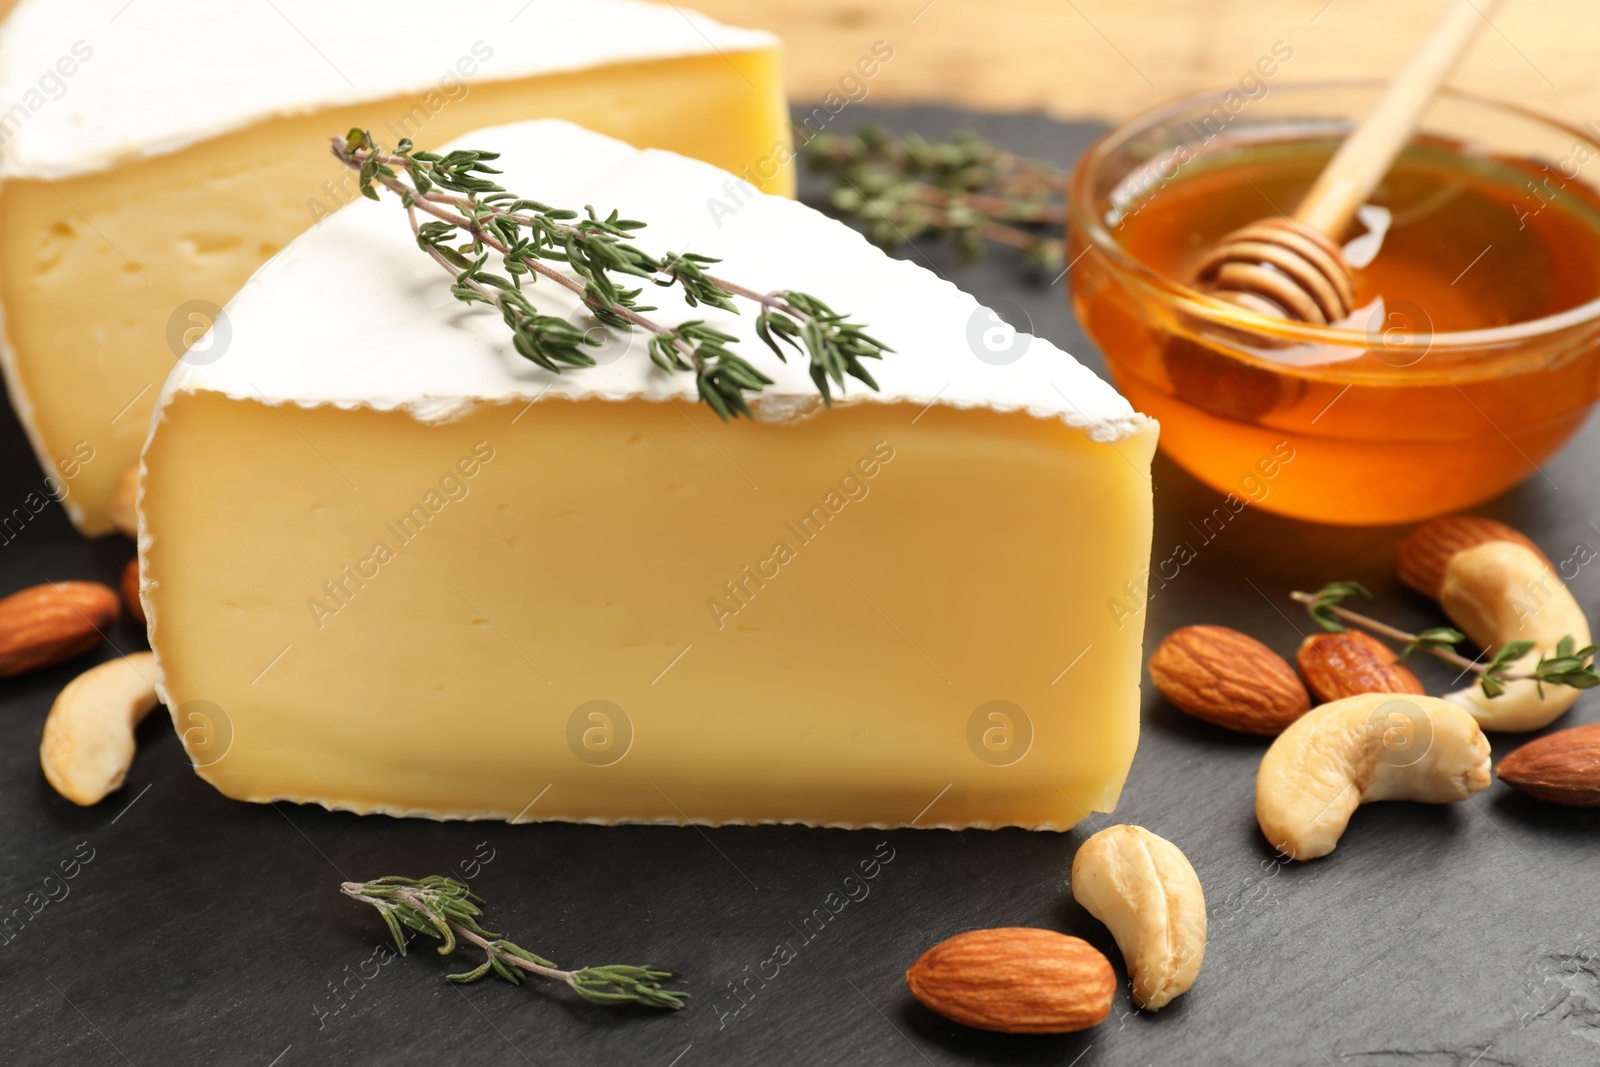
(1562, 768)
(1426, 551)
(1228, 678)
(1016, 980)
(1342, 665)
(130, 591)
(46, 624)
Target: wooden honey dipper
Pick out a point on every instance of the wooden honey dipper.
(1291, 267)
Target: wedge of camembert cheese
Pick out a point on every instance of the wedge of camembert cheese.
(391, 566)
(154, 154)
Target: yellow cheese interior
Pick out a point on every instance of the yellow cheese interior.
(106, 278)
(330, 632)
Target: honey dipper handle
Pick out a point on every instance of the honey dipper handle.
(1367, 154)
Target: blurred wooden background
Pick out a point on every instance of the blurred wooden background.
(1111, 58)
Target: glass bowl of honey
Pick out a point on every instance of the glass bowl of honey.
(1474, 350)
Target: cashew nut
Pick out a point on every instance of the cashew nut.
(1373, 746)
(1499, 592)
(1149, 897)
(88, 737)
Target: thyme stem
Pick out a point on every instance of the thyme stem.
(445, 909)
(419, 901)
(423, 200)
(492, 298)
(592, 250)
(965, 188)
(1566, 664)
(1368, 623)
(771, 300)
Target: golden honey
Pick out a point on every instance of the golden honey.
(1474, 353)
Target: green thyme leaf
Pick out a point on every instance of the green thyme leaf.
(1330, 596)
(444, 908)
(1495, 673)
(1439, 637)
(527, 236)
(1569, 666)
(965, 189)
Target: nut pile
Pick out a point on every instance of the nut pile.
(1351, 726)
(1374, 734)
(1021, 980)
(88, 743)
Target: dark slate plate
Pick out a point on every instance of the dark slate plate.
(200, 930)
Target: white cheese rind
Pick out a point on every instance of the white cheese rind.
(359, 283)
(163, 74)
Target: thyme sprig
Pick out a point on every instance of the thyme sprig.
(472, 218)
(1569, 666)
(964, 188)
(443, 908)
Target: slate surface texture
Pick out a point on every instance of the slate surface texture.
(198, 930)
